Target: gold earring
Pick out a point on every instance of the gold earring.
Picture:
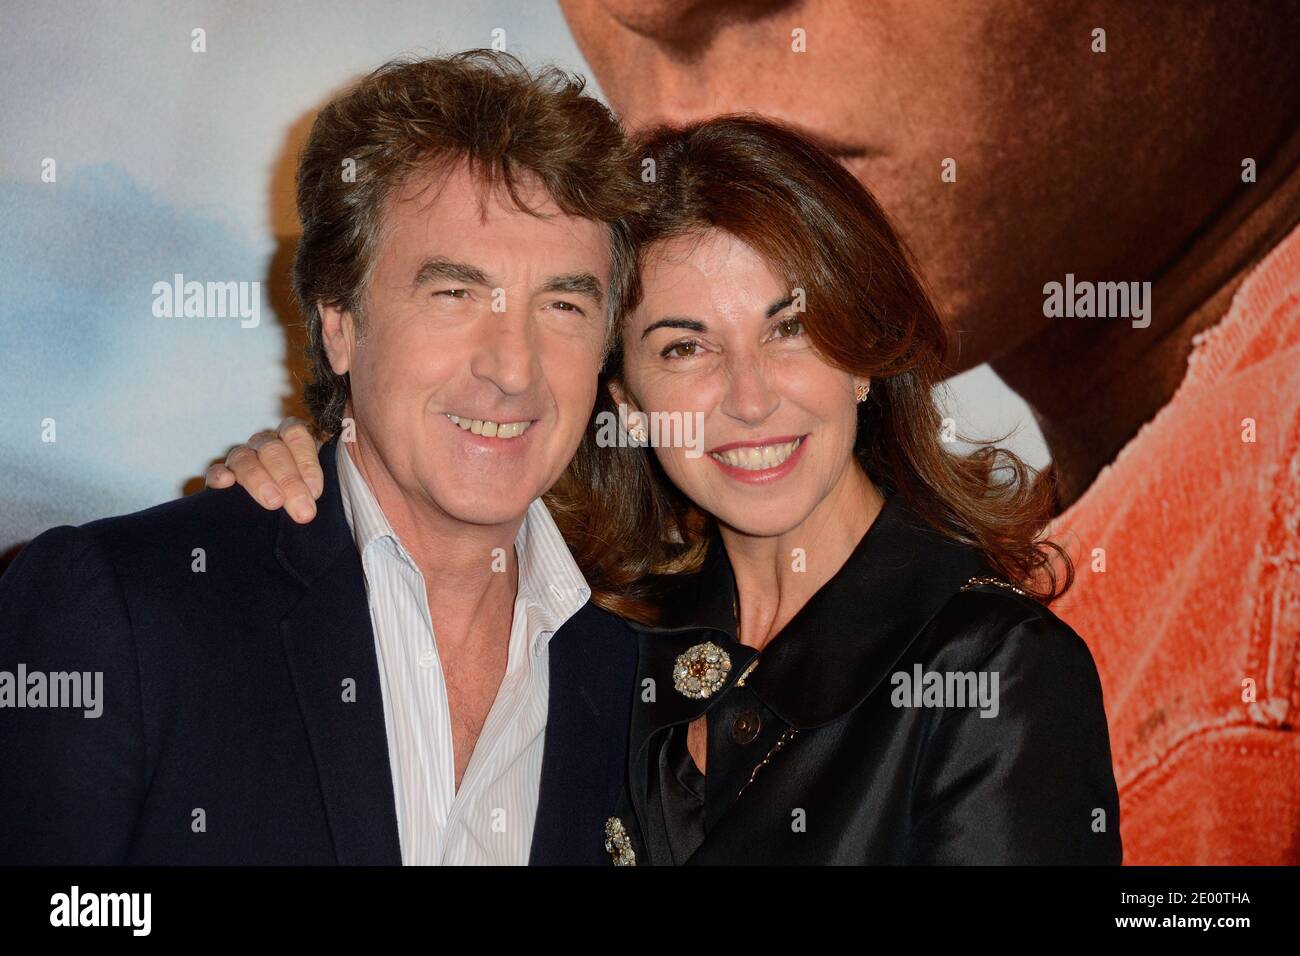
(862, 391)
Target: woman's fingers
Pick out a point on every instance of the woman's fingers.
(279, 468)
(275, 458)
(302, 445)
(219, 476)
(252, 476)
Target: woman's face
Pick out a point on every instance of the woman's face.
(717, 338)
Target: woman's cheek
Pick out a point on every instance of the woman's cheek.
(691, 475)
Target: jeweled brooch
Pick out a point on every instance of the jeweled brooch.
(617, 843)
(701, 671)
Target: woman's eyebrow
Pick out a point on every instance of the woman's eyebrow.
(673, 322)
(777, 306)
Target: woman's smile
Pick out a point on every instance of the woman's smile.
(761, 461)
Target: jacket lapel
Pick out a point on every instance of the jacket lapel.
(584, 762)
(330, 649)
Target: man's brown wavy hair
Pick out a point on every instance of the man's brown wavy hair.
(867, 312)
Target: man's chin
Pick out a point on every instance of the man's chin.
(487, 506)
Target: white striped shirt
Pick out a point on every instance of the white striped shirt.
(490, 819)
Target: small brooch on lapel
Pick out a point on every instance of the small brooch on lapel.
(701, 671)
(617, 843)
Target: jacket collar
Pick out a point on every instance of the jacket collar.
(842, 644)
(307, 551)
(328, 642)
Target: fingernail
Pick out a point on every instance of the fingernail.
(302, 509)
(315, 487)
(271, 495)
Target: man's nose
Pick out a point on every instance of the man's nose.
(507, 353)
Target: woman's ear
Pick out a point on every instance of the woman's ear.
(616, 391)
(633, 420)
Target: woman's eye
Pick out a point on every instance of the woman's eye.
(788, 328)
(684, 349)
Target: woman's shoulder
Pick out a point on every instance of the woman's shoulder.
(989, 624)
(1033, 783)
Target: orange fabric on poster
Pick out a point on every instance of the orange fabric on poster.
(1201, 594)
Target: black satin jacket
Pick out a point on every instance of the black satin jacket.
(833, 746)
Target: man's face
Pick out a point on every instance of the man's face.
(1066, 160)
(474, 371)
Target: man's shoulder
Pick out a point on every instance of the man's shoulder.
(228, 518)
(173, 535)
(601, 640)
(592, 615)
(592, 623)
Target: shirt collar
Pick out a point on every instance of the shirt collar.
(360, 507)
(840, 646)
(550, 580)
(548, 575)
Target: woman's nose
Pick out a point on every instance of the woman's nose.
(750, 396)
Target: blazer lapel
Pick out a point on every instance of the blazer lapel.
(584, 762)
(330, 649)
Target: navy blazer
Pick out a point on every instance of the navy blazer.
(242, 721)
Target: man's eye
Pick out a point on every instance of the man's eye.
(566, 307)
(454, 293)
(683, 349)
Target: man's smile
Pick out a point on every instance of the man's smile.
(490, 429)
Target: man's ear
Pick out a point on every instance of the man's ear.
(338, 332)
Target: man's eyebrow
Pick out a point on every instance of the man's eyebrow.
(576, 283)
(777, 306)
(674, 322)
(438, 267)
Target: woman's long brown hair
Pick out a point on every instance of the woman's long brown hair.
(867, 312)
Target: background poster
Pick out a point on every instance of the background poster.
(171, 161)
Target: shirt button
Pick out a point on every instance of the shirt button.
(426, 659)
(746, 727)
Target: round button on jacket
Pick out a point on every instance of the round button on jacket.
(746, 727)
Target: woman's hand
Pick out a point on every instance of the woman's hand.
(278, 468)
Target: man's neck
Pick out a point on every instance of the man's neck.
(1092, 387)
(462, 568)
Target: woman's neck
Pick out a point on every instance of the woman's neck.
(777, 574)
